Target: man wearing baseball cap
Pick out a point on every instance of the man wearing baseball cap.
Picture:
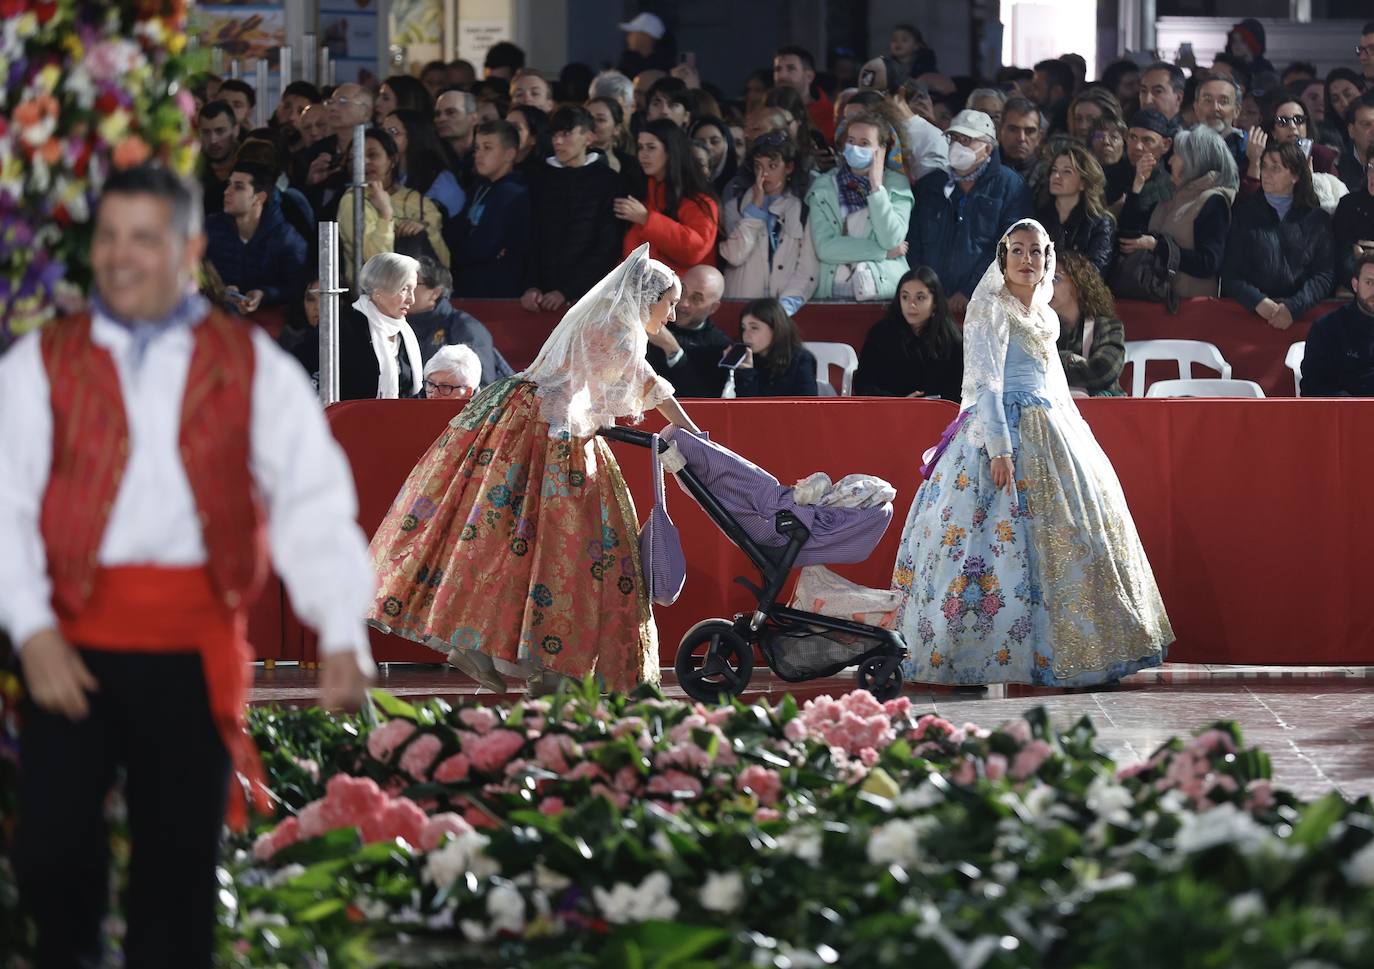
(644, 49)
(962, 212)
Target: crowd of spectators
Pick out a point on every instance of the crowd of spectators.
(882, 181)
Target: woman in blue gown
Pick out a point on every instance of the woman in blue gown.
(1019, 562)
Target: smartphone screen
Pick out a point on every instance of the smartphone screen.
(734, 356)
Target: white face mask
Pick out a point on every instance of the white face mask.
(962, 157)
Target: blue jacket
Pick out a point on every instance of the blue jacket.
(490, 241)
(272, 261)
(957, 236)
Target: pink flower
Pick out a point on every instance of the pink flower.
(383, 741)
(897, 708)
(480, 819)
(628, 725)
(552, 751)
(491, 752)
(676, 783)
(480, 719)
(420, 755)
(552, 806)
(794, 730)
(401, 818)
(1029, 759)
(1260, 795)
(515, 767)
(1018, 730)
(687, 756)
(535, 723)
(764, 784)
(928, 723)
(620, 800)
(432, 835)
(1134, 770)
(353, 797)
(627, 780)
(995, 768)
(1211, 740)
(766, 814)
(282, 836)
(965, 773)
(452, 769)
(311, 820)
(869, 756)
(587, 771)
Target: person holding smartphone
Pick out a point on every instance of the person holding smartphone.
(775, 362)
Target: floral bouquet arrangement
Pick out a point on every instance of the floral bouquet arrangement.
(89, 86)
(636, 831)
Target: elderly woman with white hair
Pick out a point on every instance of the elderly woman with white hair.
(453, 373)
(1187, 231)
(379, 355)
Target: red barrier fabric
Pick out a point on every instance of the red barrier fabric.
(1255, 350)
(1251, 511)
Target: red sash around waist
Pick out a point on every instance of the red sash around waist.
(143, 609)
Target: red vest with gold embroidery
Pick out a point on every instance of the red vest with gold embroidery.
(91, 447)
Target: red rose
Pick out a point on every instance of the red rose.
(61, 216)
(45, 10)
(11, 8)
(106, 103)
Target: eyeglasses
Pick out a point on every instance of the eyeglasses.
(1364, 49)
(1291, 120)
(344, 101)
(446, 390)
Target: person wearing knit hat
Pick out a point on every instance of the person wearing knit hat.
(1149, 140)
(1247, 41)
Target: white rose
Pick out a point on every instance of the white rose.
(723, 892)
(456, 858)
(922, 798)
(803, 843)
(1224, 824)
(1109, 800)
(896, 842)
(625, 904)
(1360, 868)
(282, 876)
(506, 907)
(1245, 907)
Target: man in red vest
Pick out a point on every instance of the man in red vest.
(151, 445)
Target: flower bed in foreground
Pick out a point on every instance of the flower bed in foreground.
(635, 831)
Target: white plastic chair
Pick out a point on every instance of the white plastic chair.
(1294, 363)
(1184, 352)
(1205, 388)
(840, 355)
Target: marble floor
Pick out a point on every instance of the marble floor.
(1315, 722)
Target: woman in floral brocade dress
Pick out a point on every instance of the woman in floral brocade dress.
(1019, 562)
(513, 546)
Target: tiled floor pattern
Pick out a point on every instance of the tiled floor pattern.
(1316, 723)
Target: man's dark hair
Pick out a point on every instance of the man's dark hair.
(1177, 80)
(1010, 75)
(303, 89)
(154, 180)
(434, 66)
(1236, 85)
(1298, 67)
(571, 116)
(1365, 258)
(910, 29)
(433, 274)
(673, 89)
(1367, 28)
(1242, 73)
(215, 109)
(1364, 102)
(504, 130)
(1060, 75)
(1020, 106)
(262, 178)
(461, 62)
(800, 53)
(504, 54)
(243, 87)
(1116, 70)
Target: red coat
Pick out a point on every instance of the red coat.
(682, 240)
(91, 447)
(821, 111)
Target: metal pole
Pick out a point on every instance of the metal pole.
(359, 187)
(284, 69)
(235, 69)
(310, 64)
(329, 313)
(217, 60)
(323, 67)
(260, 95)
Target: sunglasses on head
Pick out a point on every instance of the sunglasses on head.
(772, 139)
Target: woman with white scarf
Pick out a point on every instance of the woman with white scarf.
(379, 355)
(1019, 562)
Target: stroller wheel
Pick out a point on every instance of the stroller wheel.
(881, 676)
(714, 661)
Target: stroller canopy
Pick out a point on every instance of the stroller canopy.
(753, 497)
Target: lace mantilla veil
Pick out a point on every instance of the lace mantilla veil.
(592, 369)
(995, 317)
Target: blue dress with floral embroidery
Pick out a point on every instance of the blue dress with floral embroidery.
(1049, 586)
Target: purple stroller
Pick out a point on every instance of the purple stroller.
(716, 656)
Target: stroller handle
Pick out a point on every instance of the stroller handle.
(628, 435)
